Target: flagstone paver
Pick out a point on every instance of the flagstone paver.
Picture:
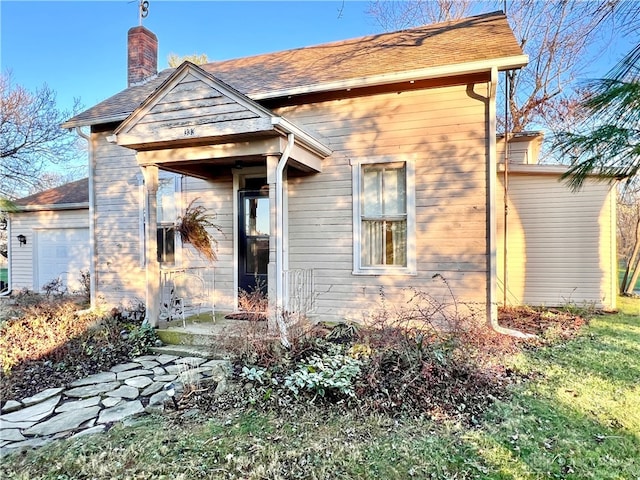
(111, 401)
(101, 377)
(11, 406)
(92, 390)
(124, 366)
(138, 382)
(153, 388)
(163, 359)
(63, 422)
(39, 397)
(125, 391)
(87, 402)
(34, 412)
(11, 435)
(133, 373)
(92, 404)
(149, 364)
(121, 411)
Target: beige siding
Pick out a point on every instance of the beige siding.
(119, 271)
(561, 244)
(119, 275)
(28, 223)
(445, 130)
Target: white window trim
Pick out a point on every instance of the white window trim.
(356, 176)
(179, 208)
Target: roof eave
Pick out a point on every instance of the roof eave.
(503, 63)
(51, 207)
(69, 124)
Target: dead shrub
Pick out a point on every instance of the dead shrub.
(192, 227)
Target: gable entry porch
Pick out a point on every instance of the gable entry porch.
(197, 126)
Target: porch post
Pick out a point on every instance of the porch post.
(152, 299)
(272, 322)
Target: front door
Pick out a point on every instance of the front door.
(253, 235)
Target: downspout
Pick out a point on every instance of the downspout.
(505, 180)
(92, 223)
(492, 305)
(7, 292)
(282, 163)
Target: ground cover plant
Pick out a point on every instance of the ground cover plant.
(566, 409)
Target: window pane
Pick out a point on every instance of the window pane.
(372, 192)
(257, 256)
(396, 243)
(372, 241)
(257, 216)
(166, 245)
(394, 191)
(166, 201)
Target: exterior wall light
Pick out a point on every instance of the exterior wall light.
(22, 240)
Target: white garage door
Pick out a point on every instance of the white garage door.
(62, 253)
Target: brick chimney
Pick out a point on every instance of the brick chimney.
(142, 49)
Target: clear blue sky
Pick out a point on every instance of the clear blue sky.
(79, 47)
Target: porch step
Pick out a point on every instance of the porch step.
(172, 336)
(188, 351)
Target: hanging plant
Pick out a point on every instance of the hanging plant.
(192, 227)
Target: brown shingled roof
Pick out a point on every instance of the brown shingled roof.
(69, 193)
(480, 38)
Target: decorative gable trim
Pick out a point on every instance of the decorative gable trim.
(190, 106)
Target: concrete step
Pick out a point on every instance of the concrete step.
(174, 336)
(188, 351)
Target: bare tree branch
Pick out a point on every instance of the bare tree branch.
(30, 137)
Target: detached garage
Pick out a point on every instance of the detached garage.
(49, 238)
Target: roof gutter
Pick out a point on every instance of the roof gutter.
(52, 207)
(506, 63)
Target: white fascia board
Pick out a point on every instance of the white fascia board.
(314, 144)
(95, 121)
(535, 169)
(62, 206)
(505, 63)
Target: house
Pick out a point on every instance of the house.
(49, 238)
(335, 172)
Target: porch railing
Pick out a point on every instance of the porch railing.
(299, 291)
(186, 291)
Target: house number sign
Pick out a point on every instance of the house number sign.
(189, 132)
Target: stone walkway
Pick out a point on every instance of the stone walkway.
(92, 404)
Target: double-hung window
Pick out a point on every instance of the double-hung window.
(167, 215)
(383, 217)
(167, 210)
